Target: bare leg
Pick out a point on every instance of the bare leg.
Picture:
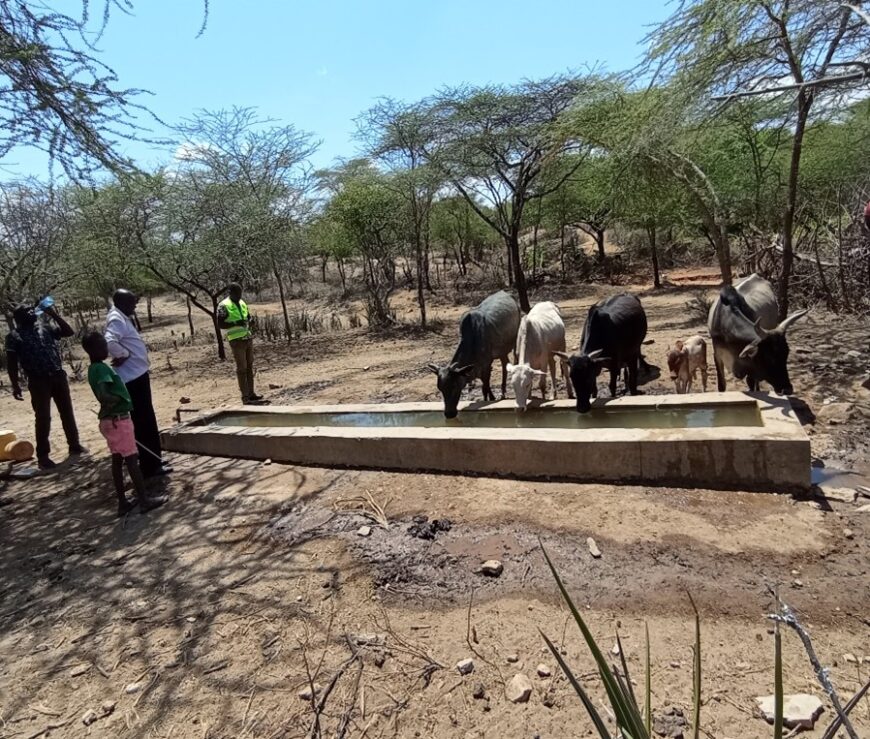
(146, 502)
(124, 505)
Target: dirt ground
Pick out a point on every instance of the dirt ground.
(206, 619)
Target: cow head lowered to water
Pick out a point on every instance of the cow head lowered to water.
(765, 359)
(522, 378)
(452, 379)
(583, 369)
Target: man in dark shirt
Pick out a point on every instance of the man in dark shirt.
(33, 347)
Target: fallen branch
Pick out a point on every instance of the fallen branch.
(788, 617)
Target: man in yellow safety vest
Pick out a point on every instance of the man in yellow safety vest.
(233, 317)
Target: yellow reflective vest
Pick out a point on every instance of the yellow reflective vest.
(236, 313)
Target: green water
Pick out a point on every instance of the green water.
(670, 417)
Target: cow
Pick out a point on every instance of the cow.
(542, 332)
(486, 332)
(614, 331)
(746, 337)
(684, 361)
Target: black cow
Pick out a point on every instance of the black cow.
(747, 338)
(486, 332)
(614, 331)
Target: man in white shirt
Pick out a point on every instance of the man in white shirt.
(130, 360)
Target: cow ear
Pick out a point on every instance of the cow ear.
(749, 351)
(433, 368)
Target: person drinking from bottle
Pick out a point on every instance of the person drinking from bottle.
(233, 317)
(116, 426)
(33, 346)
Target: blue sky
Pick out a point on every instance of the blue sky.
(318, 64)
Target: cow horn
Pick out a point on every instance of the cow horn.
(561, 355)
(594, 355)
(759, 329)
(797, 315)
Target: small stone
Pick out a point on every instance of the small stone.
(184, 400)
(513, 658)
(465, 666)
(647, 342)
(364, 531)
(133, 688)
(799, 710)
(89, 717)
(544, 671)
(79, 670)
(267, 462)
(798, 583)
(670, 723)
(549, 700)
(593, 548)
(107, 708)
(743, 666)
(864, 508)
(519, 689)
(274, 386)
(853, 353)
(851, 658)
(479, 692)
(306, 694)
(675, 665)
(615, 649)
(491, 568)
(848, 533)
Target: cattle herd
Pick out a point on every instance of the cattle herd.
(747, 340)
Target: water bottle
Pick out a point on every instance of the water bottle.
(43, 305)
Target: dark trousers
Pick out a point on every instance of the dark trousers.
(243, 353)
(145, 424)
(43, 390)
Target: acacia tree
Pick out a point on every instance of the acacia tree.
(235, 202)
(57, 96)
(35, 226)
(365, 212)
(492, 144)
(720, 50)
(396, 135)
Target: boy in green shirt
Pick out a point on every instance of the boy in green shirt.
(116, 425)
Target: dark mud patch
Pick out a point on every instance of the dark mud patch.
(636, 578)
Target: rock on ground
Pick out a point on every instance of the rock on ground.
(799, 710)
(491, 568)
(519, 689)
(544, 671)
(465, 666)
(593, 548)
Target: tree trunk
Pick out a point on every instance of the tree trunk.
(323, 263)
(841, 272)
(280, 281)
(510, 262)
(342, 275)
(513, 244)
(804, 104)
(651, 232)
(422, 280)
(148, 309)
(190, 319)
(562, 250)
(599, 240)
(222, 352)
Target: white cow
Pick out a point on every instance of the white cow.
(541, 333)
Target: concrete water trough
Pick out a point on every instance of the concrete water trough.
(732, 440)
